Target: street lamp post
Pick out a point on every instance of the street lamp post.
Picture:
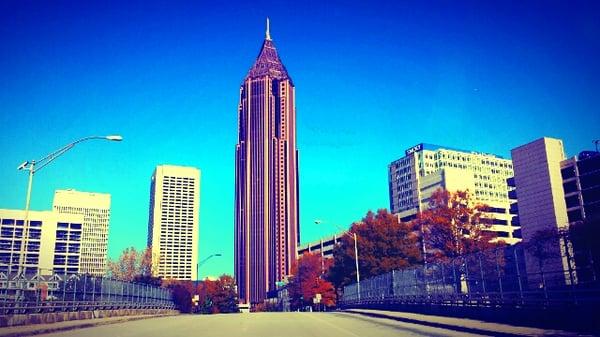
(356, 262)
(198, 270)
(353, 236)
(203, 262)
(33, 167)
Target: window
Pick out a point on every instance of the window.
(517, 234)
(568, 172)
(570, 187)
(35, 223)
(495, 210)
(572, 201)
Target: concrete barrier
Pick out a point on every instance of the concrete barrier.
(53, 317)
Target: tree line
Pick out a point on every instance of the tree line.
(453, 225)
(207, 296)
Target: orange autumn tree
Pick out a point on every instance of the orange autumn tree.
(182, 292)
(384, 244)
(218, 296)
(307, 281)
(454, 225)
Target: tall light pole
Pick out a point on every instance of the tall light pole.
(33, 167)
(198, 273)
(353, 236)
(203, 262)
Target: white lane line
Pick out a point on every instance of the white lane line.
(334, 326)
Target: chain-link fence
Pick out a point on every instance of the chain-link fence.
(40, 292)
(548, 272)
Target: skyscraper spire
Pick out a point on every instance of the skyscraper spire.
(266, 177)
(268, 62)
(268, 34)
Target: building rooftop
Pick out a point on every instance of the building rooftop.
(434, 147)
(268, 61)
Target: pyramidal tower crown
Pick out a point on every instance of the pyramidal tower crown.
(268, 61)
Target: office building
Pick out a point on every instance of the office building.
(554, 193)
(266, 177)
(53, 245)
(539, 186)
(173, 221)
(426, 168)
(542, 206)
(95, 209)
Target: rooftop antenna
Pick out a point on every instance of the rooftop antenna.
(268, 33)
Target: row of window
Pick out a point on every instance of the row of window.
(64, 225)
(12, 222)
(82, 210)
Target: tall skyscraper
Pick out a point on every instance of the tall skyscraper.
(95, 208)
(266, 195)
(173, 221)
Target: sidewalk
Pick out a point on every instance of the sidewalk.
(463, 324)
(37, 329)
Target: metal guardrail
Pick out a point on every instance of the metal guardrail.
(37, 293)
(59, 306)
(513, 276)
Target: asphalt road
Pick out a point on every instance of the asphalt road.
(295, 324)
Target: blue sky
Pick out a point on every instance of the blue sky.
(372, 79)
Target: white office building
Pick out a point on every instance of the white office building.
(426, 168)
(53, 242)
(95, 209)
(173, 221)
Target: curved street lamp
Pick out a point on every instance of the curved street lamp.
(33, 167)
(201, 263)
(353, 236)
(198, 271)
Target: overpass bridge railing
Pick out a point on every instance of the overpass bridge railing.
(517, 276)
(38, 292)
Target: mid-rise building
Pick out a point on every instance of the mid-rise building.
(553, 193)
(539, 186)
(324, 246)
(542, 207)
(266, 177)
(95, 209)
(426, 168)
(173, 223)
(53, 243)
(581, 185)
